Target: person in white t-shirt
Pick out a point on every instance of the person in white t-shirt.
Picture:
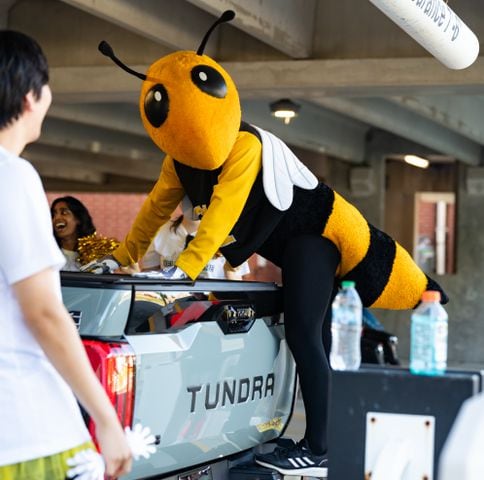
(172, 238)
(71, 220)
(41, 354)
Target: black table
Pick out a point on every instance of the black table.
(390, 390)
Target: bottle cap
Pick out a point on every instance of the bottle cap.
(347, 283)
(431, 296)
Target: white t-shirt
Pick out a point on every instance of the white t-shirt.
(71, 261)
(167, 246)
(39, 415)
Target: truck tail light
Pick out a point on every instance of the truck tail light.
(114, 364)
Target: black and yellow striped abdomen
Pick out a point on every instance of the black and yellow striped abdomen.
(385, 274)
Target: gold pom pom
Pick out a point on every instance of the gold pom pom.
(93, 247)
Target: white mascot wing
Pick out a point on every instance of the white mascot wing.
(281, 170)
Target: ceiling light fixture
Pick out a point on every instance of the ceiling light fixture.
(285, 109)
(416, 161)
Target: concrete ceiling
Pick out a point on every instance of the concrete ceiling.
(350, 68)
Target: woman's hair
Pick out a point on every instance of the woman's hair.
(174, 228)
(23, 68)
(176, 223)
(80, 212)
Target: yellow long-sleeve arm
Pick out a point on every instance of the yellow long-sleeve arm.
(226, 204)
(156, 210)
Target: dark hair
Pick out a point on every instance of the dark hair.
(23, 68)
(86, 225)
(176, 223)
(174, 228)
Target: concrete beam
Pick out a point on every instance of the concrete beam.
(295, 79)
(92, 162)
(383, 144)
(110, 185)
(95, 84)
(388, 116)
(285, 25)
(53, 169)
(315, 129)
(171, 22)
(120, 118)
(461, 114)
(64, 134)
(354, 77)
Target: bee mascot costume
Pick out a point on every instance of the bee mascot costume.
(254, 196)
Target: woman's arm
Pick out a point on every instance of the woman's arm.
(53, 328)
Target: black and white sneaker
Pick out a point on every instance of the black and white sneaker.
(296, 460)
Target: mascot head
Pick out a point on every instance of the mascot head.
(189, 104)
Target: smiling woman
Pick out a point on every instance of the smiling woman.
(71, 220)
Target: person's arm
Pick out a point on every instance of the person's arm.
(155, 212)
(53, 328)
(232, 274)
(236, 273)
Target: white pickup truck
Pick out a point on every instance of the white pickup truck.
(205, 365)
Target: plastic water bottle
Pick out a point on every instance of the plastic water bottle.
(346, 327)
(428, 336)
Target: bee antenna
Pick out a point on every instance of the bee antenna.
(227, 16)
(107, 50)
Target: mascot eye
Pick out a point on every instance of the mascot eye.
(157, 105)
(208, 80)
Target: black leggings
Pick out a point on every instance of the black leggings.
(308, 274)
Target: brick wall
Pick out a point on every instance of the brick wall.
(426, 226)
(112, 213)
(426, 220)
